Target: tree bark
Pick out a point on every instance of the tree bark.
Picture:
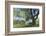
(33, 22)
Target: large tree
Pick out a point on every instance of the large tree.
(32, 14)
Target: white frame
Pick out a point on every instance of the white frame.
(29, 28)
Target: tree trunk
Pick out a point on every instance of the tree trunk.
(33, 22)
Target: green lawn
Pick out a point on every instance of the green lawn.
(22, 25)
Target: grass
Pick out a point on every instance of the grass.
(22, 25)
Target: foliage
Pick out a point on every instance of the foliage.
(26, 14)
